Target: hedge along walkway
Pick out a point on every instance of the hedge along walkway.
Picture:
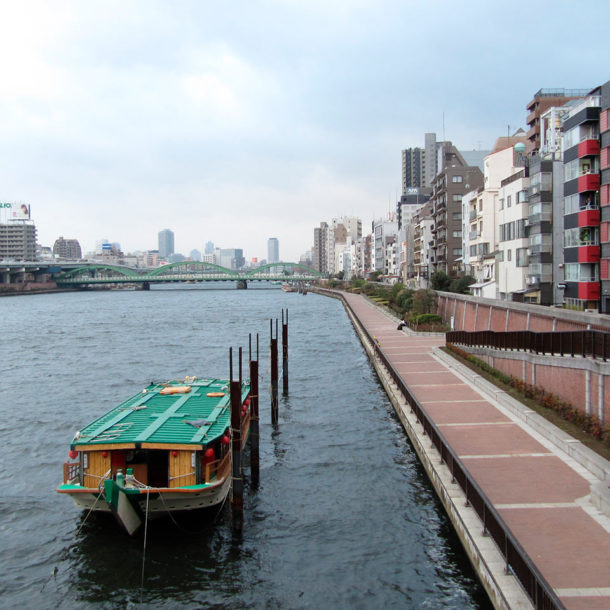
(539, 491)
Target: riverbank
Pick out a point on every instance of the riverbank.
(535, 488)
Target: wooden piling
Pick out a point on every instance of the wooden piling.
(285, 353)
(237, 484)
(274, 375)
(254, 434)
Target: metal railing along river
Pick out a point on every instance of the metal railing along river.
(587, 343)
(517, 561)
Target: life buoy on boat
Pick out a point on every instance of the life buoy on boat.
(176, 389)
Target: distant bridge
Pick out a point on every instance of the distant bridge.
(185, 271)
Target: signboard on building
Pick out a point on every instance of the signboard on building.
(14, 211)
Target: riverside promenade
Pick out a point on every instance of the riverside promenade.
(541, 492)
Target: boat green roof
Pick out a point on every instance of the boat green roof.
(190, 417)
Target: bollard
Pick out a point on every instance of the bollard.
(237, 483)
(274, 375)
(285, 353)
(254, 435)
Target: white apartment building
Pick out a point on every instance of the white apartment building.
(512, 257)
(484, 211)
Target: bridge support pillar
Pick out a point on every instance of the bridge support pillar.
(242, 284)
(145, 285)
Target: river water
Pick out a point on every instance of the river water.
(344, 515)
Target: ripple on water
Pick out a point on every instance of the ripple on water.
(344, 515)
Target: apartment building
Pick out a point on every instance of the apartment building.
(18, 241)
(454, 180)
(581, 193)
(604, 164)
(423, 240)
(540, 103)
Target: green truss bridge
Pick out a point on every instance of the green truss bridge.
(186, 271)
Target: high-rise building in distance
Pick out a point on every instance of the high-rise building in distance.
(67, 248)
(166, 243)
(420, 165)
(209, 247)
(273, 250)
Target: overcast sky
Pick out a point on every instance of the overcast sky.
(239, 121)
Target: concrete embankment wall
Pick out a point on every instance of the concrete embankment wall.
(501, 586)
(583, 382)
(28, 288)
(476, 313)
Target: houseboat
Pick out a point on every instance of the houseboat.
(165, 450)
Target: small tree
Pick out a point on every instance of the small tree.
(439, 280)
(424, 301)
(461, 285)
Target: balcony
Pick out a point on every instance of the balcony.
(589, 218)
(588, 291)
(588, 254)
(474, 234)
(588, 182)
(473, 215)
(540, 249)
(588, 148)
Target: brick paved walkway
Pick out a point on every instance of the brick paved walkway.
(541, 493)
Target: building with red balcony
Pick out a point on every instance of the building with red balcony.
(541, 102)
(604, 197)
(585, 228)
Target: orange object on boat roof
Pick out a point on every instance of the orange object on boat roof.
(215, 394)
(176, 389)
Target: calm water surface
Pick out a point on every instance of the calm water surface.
(344, 515)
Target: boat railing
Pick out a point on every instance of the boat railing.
(218, 469)
(71, 473)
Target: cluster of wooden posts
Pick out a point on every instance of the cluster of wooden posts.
(237, 487)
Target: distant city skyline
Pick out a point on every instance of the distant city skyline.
(235, 122)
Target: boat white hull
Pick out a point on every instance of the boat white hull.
(159, 502)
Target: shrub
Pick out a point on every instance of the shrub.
(588, 423)
(427, 318)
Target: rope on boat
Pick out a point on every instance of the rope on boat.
(144, 547)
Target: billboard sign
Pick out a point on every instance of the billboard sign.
(14, 211)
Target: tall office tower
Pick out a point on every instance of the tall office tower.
(273, 250)
(320, 254)
(232, 258)
(541, 102)
(420, 165)
(209, 247)
(166, 243)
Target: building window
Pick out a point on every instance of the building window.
(473, 250)
(456, 197)
(508, 201)
(456, 179)
(522, 258)
(509, 255)
(457, 215)
(521, 196)
(500, 256)
(456, 234)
